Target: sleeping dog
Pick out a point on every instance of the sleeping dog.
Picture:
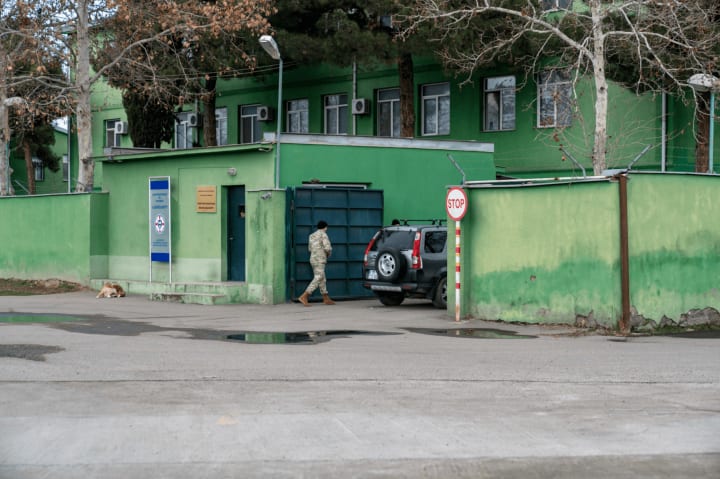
(111, 290)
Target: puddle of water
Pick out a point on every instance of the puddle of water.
(471, 333)
(32, 352)
(309, 337)
(36, 318)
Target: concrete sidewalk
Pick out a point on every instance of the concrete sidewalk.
(147, 389)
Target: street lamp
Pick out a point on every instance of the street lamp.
(700, 83)
(270, 46)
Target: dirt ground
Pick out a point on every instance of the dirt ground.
(27, 287)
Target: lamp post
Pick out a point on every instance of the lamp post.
(700, 83)
(270, 46)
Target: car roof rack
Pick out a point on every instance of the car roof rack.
(435, 222)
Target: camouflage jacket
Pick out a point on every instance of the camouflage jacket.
(319, 246)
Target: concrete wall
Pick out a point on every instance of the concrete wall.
(551, 253)
(58, 236)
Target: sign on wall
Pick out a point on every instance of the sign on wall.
(206, 199)
(160, 219)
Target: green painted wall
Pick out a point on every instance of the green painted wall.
(198, 238)
(541, 253)
(674, 244)
(53, 237)
(546, 254)
(413, 178)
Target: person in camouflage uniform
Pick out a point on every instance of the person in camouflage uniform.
(320, 250)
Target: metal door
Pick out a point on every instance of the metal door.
(353, 216)
(236, 233)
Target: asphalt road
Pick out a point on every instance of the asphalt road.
(134, 388)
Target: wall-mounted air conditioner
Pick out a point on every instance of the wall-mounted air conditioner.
(121, 128)
(264, 113)
(360, 106)
(194, 120)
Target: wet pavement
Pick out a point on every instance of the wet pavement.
(131, 388)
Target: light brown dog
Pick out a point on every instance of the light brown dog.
(111, 290)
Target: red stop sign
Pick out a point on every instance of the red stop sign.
(456, 203)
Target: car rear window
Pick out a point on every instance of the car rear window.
(398, 239)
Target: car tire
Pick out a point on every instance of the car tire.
(390, 264)
(391, 299)
(440, 297)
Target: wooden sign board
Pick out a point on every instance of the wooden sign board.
(206, 199)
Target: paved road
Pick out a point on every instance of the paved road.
(155, 390)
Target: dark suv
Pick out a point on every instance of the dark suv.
(407, 261)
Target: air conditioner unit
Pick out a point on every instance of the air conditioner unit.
(264, 113)
(194, 120)
(360, 106)
(121, 128)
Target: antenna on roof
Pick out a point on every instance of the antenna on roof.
(458, 168)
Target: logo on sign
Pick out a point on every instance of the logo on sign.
(159, 224)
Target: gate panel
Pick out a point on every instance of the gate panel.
(353, 216)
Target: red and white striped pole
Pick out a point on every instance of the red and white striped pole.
(457, 271)
(456, 206)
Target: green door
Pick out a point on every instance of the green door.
(236, 233)
(353, 216)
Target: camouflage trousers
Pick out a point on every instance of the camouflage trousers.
(319, 280)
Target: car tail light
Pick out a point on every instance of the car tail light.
(369, 247)
(416, 259)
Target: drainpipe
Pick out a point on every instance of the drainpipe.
(663, 134)
(354, 94)
(624, 256)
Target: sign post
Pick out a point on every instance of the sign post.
(160, 231)
(456, 204)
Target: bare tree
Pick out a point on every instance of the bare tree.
(195, 43)
(29, 85)
(646, 44)
(79, 31)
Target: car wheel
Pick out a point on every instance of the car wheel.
(391, 299)
(390, 264)
(440, 298)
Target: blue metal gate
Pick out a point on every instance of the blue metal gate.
(353, 216)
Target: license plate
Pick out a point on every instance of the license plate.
(372, 274)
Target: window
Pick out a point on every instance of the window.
(249, 124)
(39, 169)
(500, 103)
(221, 126)
(297, 116)
(66, 168)
(184, 131)
(388, 112)
(112, 139)
(554, 99)
(436, 109)
(336, 114)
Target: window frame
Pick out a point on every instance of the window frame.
(255, 129)
(394, 121)
(221, 125)
(184, 136)
(340, 112)
(437, 99)
(116, 138)
(501, 92)
(296, 109)
(558, 82)
(38, 169)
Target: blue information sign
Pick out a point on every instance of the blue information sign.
(160, 219)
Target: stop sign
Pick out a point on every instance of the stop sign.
(456, 203)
